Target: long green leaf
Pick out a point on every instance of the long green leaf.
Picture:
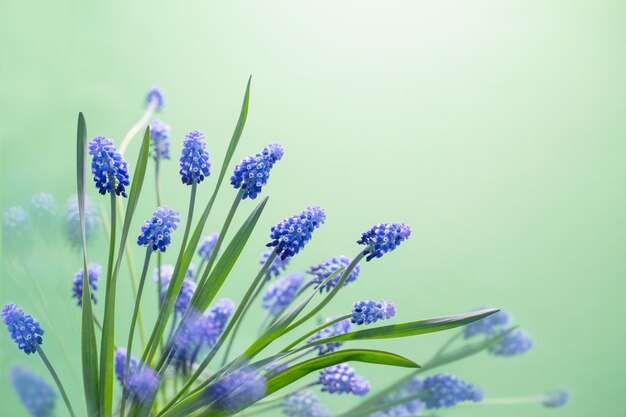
(295, 372)
(89, 348)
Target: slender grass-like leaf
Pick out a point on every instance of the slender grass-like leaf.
(89, 348)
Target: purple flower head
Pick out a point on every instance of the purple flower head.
(143, 383)
(156, 231)
(71, 220)
(277, 267)
(515, 343)
(253, 172)
(120, 363)
(339, 328)
(342, 379)
(324, 270)
(93, 274)
(110, 171)
(34, 392)
(556, 399)
(445, 390)
(194, 161)
(282, 292)
(208, 246)
(304, 403)
(367, 312)
(236, 390)
(155, 95)
(184, 296)
(159, 138)
(15, 218)
(383, 238)
(43, 204)
(292, 234)
(489, 325)
(23, 328)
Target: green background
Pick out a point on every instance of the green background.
(497, 130)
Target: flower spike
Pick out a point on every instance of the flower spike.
(368, 312)
(93, 274)
(383, 238)
(253, 172)
(156, 231)
(194, 161)
(109, 169)
(292, 234)
(23, 328)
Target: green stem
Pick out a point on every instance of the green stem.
(317, 329)
(56, 379)
(283, 396)
(448, 344)
(384, 406)
(192, 204)
(141, 123)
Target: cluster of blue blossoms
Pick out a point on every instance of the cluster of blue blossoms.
(336, 329)
(291, 235)
(159, 135)
(34, 392)
(23, 328)
(342, 379)
(253, 172)
(368, 312)
(516, 342)
(324, 270)
(93, 275)
(194, 162)
(281, 293)
(304, 403)
(383, 238)
(155, 233)
(109, 169)
(278, 266)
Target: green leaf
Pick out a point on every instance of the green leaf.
(295, 372)
(89, 348)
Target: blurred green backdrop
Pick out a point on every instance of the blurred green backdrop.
(497, 130)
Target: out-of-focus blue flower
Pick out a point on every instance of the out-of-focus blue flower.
(43, 204)
(109, 169)
(253, 172)
(15, 218)
(143, 383)
(236, 390)
(304, 403)
(155, 94)
(71, 220)
(445, 390)
(405, 409)
(277, 267)
(489, 325)
(159, 137)
(339, 328)
(515, 343)
(184, 296)
(156, 231)
(194, 161)
(367, 312)
(383, 238)
(208, 246)
(282, 292)
(556, 399)
(342, 379)
(292, 234)
(322, 271)
(120, 363)
(93, 274)
(23, 328)
(35, 394)
(275, 368)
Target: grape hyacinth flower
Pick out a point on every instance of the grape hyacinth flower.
(120, 363)
(368, 312)
(252, 173)
(143, 383)
(155, 97)
(34, 392)
(184, 296)
(93, 274)
(324, 270)
(277, 266)
(194, 161)
(489, 325)
(159, 135)
(156, 231)
(342, 379)
(236, 391)
(208, 246)
(23, 328)
(292, 234)
(71, 219)
(43, 204)
(383, 238)
(445, 390)
(515, 343)
(339, 328)
(304, 403)
(109, 169)
(15, 218)
(281, 293)
(556, 399)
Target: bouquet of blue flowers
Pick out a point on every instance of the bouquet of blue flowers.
(174, 373)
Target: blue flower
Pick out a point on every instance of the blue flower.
(556, 399)
(156, 231)
(322, 271)
(253, 172)
(383, 238)
(143, 382)
(23, 328)
(489, 325)
(71, 220)
(155, 94)
(43, 204)
(292, 234)
(120, 364)
(367, 312)
(15, 218)
(37, 396)
(445, 390)
(184, 296)
(110, 171)
(304, 403)
(194, 161)
(93, 274)
(281, 293)
(236, 391)
(277, 266)
(515, 343)
(407, 408)
(342, 379)
(208, 246)
(339, 328)
(159, 134)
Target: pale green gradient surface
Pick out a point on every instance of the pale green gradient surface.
(495, 129)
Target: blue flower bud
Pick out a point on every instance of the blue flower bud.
(71, 220)
(445, 390)
(236, 390)
(322, 271)
(556, 399)
(281, 293)
(44, 204)
(155, 94)
(292, 234)
(110, 171)
(194, 161)
(383, 238)
(156, 231)
(159, 138)
(253, 172)
(23, 328)
(515, 343)
(304, 403)
(367, 312)
(342, 379)
(34, 392)
(208, 246)
(339, 328)
(489, 325)
(143, 383)
(120, 364)
(93, 274)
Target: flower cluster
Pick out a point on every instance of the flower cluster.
(71, 219)
(159, 135)
(253, 172)
(336, 329)
(208, 246)
(488, 326)
(304, 403)
(23, 328)
(282, 292)
(236, 390)
(292, 234)
(156, 231)
(324, 270)
(155, 95)
(143, 381)
(445, 390)
(37, 396)
(93, 275)
(15, 218)
(342, 379)
(556, 399)
(278, 265)
(109, 169)
(515, 343)
(43, 204)
(194, 161)
(383, 238)
(368, 312)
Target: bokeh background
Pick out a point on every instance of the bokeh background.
(497, 130)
